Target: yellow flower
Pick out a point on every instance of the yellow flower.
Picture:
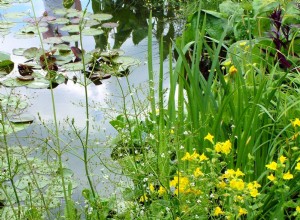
(296, 122)
(144, 198)
(218, 211)
(226, 62)
(242, 211)
(287, 176)
(198, 172)
(180, 183)
(161, 191)
(239, 173)
(243, 43)
(230, 173)
(254, 193)
(232, 70)
(218, 147)
(271, 177)
(297, 166)
(187, 156)
(272, 166)
(151, 188)
(209, 137)
(221, 185)
(202, 157)
(237, 184)
(253, 185)
(171, 131)
(239, 199)
(282, 159)
(298, 209)
(223, 147)
(226, 147)
(194, 156)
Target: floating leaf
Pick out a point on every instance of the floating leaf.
(60, 11)
(15, 15)
(70, 38)
(68, 3)
(6, 25)
(60, 21)
(110, 25)
(72, 66)
(101, 17)
(6, 66)
(31, 52)
(38, 84)
(23, 118)
(75, 14)
(74, 28)
(18, 51)
(12, 128)
(92, 32)
(32, 29)
(53, 40)
(12, 82)
(25, 78)
(4, 56)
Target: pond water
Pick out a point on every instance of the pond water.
(105, 100)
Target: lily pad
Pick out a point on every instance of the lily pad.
(6, 66)
(75, 14)
(73, 66)
(60, 11)
(4, 56)
(74, 28)
(71, 38)
(25, 78)
(53, 40)
(32, 29)
(18, 51)
(12, 128)
(110, 25)
(6, 25)
(60, 21)
(101, 17)
(23, 118)
(92, 32)
(15, 15)
(12, 82)
(38, 85)
(31, 52)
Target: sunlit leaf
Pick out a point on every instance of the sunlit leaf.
(71, 38)
(19, 51)
(101, 17)
(92, 32)
(53, 40)
(68, 3)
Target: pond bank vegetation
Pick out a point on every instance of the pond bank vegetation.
(221, 141)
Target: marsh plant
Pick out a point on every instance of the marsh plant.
(219, 142)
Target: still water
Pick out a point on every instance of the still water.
(105, 100)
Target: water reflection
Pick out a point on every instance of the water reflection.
(132, 17)
(50, 6)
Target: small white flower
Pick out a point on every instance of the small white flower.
(168, 209)
(181, 147)
(105, 176)
(162, 155)
(198, 201)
